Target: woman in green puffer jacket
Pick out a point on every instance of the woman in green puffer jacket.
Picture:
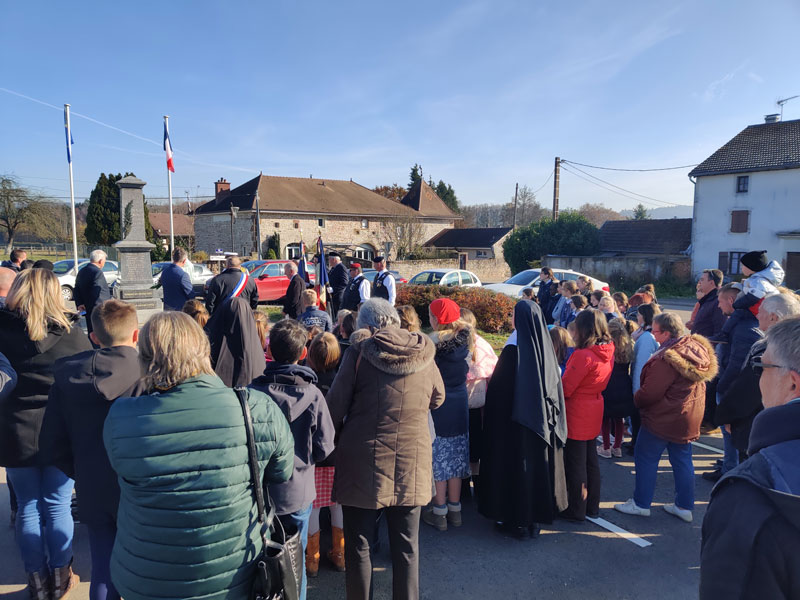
(188, 523)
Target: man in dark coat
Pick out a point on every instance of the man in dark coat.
(231, 283)
(15, 260)
(732, 356)
(236, 352)
(91, 288)
(751, 531)
(175, 282)
(85, 387)
(291, 299)
(338, 279)
(544, 296)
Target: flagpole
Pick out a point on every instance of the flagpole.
(169, 186)
(71, 191)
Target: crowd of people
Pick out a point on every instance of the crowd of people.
(357, 410)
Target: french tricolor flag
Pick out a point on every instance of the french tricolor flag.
(168, 147)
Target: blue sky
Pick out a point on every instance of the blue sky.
(482, 94)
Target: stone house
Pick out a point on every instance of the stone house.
(183, 228)
(478, 248)
(745, 198)
(350, 218)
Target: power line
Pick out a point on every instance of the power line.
(628, 170)
(545, 182)
(626, 190)
(602, 187)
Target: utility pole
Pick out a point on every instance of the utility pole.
(234, 212)
(258, 228)
(556, 180)
(516, 191)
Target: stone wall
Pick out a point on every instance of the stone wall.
(487, 270)
(604, 267)
(213, 232)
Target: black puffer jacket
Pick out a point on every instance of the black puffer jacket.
(22, 412)
(452, 417)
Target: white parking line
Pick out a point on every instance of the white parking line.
(706, 447)
(631, 537)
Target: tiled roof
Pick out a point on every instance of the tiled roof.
(479, 237)
(183, 225)
(764, 147)
(421, 197)
(647, 236)
(317, 197)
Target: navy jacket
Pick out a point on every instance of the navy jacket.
(546, 300)
(339, 278)
(709, 318)
(293, 389)
(177, 286)
(291, 300)
(452, 417)
(313, 317)
(91, 289)
(751, 531)
(743, 332)
(85, 387)
(223, 285)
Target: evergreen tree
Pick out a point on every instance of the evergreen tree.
(640, 212)
(102, 216)
(416, 175)
(448, 195)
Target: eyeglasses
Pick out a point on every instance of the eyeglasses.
(758, 366)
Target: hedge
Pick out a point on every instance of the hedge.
(492, 310)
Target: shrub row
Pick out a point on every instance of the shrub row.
(492, 310)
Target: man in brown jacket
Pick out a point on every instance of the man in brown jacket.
(671, 401)
(380, 400)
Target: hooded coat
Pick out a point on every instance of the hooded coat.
(188, 524)
(525, 428)
(452, 352)
(236, 352)
(22, 412)
(85, 387)
(294, 390)
(586, 376)
(379, 401)
(751, 531)
(672, 396)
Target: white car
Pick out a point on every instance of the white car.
(530, 279)
(66, 276)
(446, 277)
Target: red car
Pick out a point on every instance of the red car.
(270, 280)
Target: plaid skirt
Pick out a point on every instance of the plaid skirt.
(323, 481)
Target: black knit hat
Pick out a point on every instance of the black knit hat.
(755, 261)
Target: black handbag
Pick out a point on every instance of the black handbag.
(279, 566)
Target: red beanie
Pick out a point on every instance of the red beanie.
(445, 310)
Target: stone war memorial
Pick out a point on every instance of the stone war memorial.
(136, 278)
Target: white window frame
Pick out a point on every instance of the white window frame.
(321, 222)
(364, 223)
(364, 253)
(293, 252)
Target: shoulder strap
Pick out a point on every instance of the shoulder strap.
(239, 286)
(382, 277)
(266, 519)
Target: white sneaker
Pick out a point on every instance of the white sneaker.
(681, 513)
(630, 508)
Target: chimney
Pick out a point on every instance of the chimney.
(222, 190)
(773, 118)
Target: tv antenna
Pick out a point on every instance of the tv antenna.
(784, 101)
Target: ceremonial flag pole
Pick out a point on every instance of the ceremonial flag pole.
(170, 171)
(70, 141)
(322, 280)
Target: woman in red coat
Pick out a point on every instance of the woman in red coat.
(585, 377)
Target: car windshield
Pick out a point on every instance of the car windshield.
(523, 278)
(64, 266)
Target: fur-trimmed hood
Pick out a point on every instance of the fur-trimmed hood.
(693, 358)
(395, 351)
(451, 341)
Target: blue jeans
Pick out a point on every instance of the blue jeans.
(647, 453)
(731, 457)
(43, 492)
(101, 542)
(300, 520)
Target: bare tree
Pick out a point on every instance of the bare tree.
(19, 209)
(407, 234)
(597, 214)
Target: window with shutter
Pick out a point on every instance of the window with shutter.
(740, 221)
(723, 264)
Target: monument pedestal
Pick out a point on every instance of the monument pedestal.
(136, 273)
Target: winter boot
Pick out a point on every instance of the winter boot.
(312, 555)
(39, 585)
(64, 581)
(336, 553)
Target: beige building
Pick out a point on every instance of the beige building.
(350, 218)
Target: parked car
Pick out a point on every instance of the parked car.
(198, 274)
(370, 274)
(446, 277)
(530, 279)
(270, 280)
(66, 276)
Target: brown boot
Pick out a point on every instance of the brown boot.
(39, 585)
(336, 553)
(64, 581)
(312, 555)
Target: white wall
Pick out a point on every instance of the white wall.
(773, 200)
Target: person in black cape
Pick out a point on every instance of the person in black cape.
(236, 352)
(525, 429)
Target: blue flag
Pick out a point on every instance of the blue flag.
(68, 135)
